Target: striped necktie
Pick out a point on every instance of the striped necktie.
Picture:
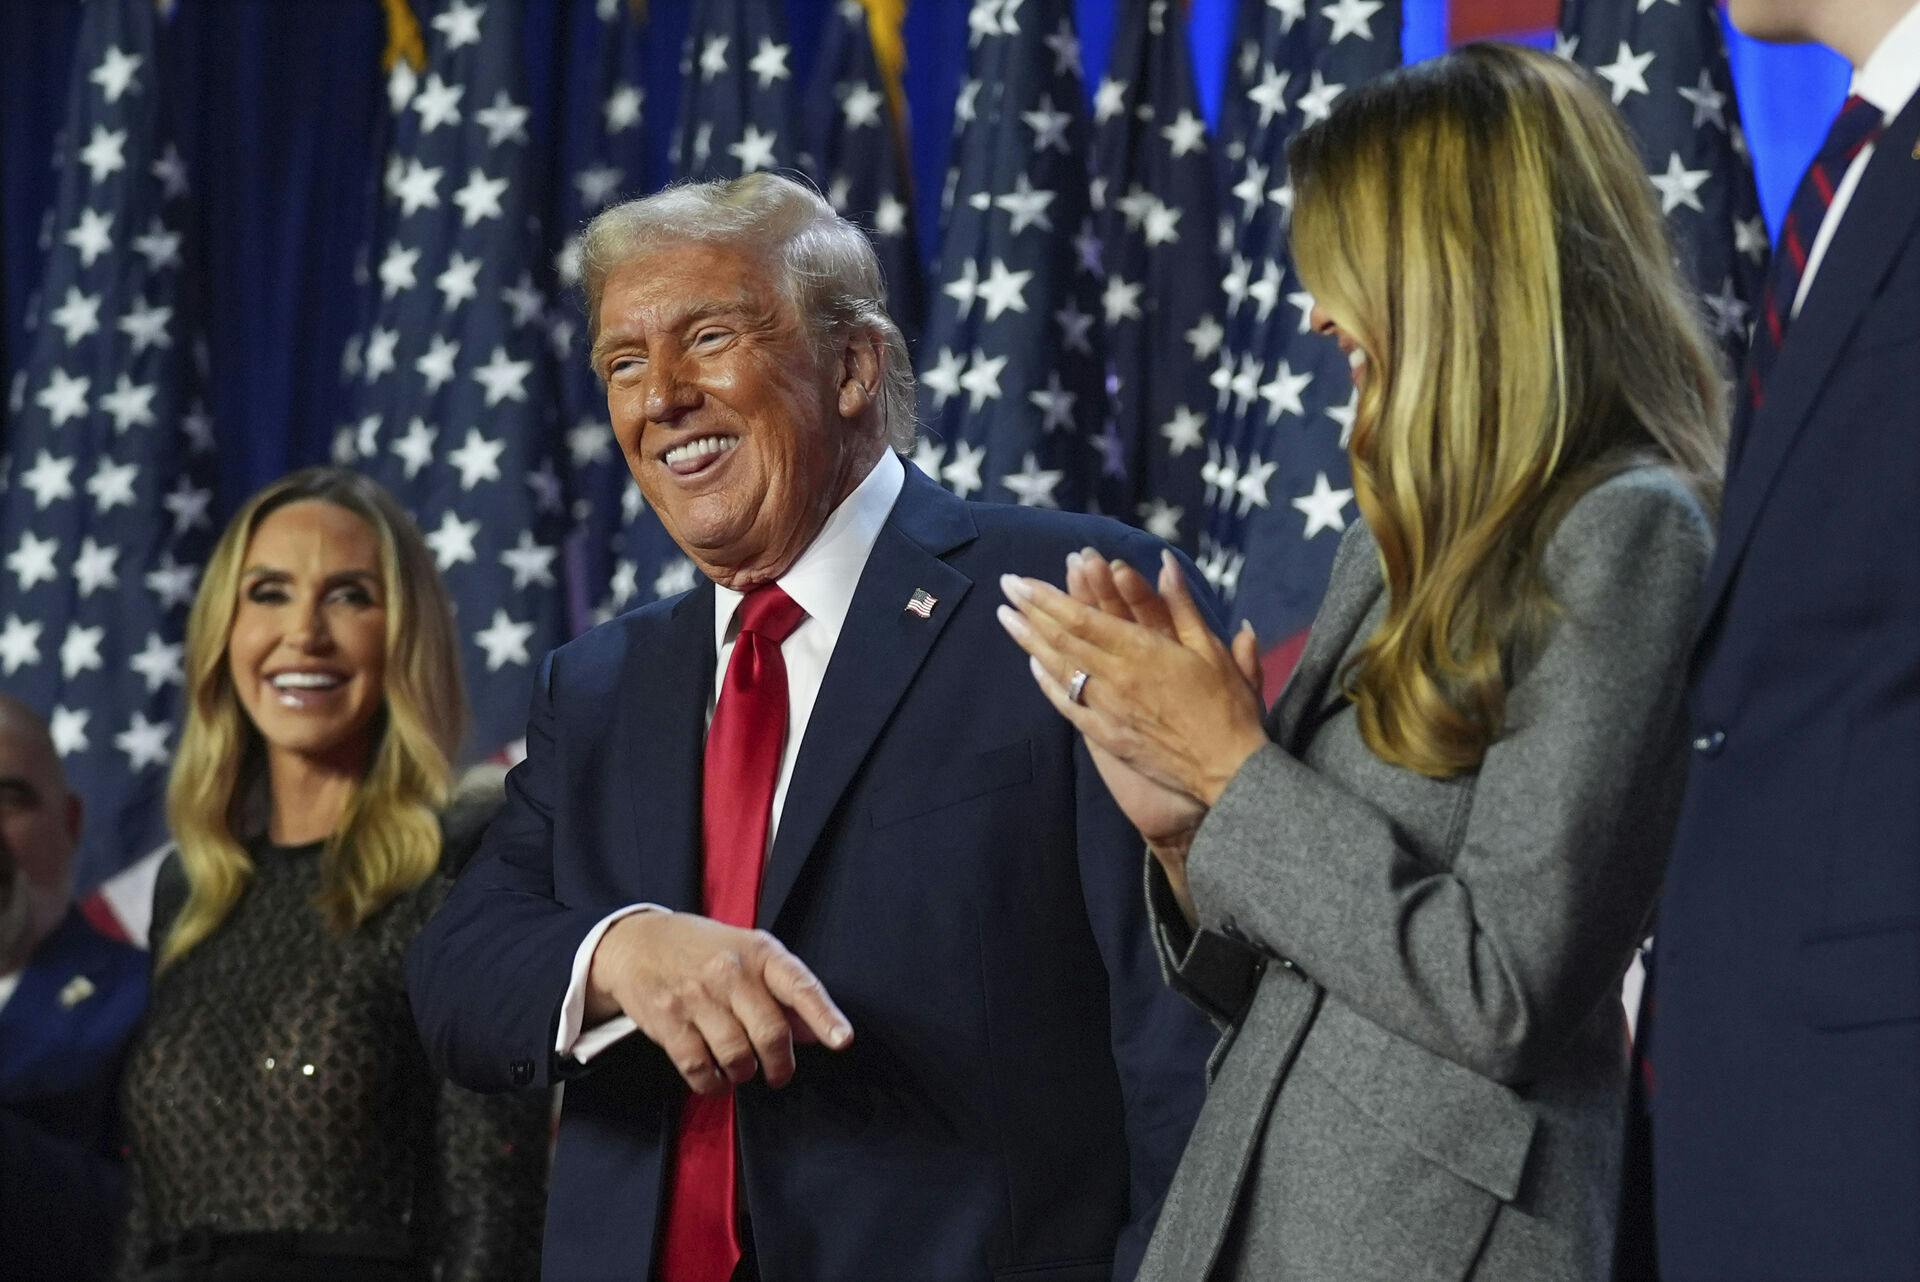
(1858, 124)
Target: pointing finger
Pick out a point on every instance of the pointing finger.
(800, 991)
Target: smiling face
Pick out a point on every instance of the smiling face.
(307, 651)
(1323, 322)
(740, 435)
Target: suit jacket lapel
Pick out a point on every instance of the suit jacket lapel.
(24, 1033)
(663, 717)
(1351, 592)
(880, 649)
(36, 1027)
(1877, 225)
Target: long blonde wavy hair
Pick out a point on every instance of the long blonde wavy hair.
(388, 838)
(1483, 229)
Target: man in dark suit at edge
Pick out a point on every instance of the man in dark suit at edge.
(948, 899)
(70, 999)
(1785, 1046)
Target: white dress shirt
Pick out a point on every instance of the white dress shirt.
(1888, 80)
(821, 582)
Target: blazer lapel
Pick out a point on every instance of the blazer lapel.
(663, 719)
(1877, 225)
(1351, 592)
(880, 649)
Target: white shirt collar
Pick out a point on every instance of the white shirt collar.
(822, 580)
(1891, 75)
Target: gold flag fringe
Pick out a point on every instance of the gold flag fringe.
(403, 37)
(884, 18)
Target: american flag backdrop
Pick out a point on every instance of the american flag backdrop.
(1156, 211)
(1113, 323)
(453, 379)
(736, 117)
(104, 520)
(1664, 63)
(1277, 481)
(737, 91)
(603, 158)
(1012, 362)
(855, 143)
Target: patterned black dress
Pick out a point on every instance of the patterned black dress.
(282, 1113)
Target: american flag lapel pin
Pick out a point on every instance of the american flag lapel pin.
(922, 603)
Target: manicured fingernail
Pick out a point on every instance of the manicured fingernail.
(839, 1035)
(1012, 585)
(1246, 625)
(1073, 560)
(1010, 620)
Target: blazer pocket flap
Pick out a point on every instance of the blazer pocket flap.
(1449, 1114)
(1865, 976)
(952, 783)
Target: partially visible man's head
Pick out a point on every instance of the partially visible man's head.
(753, 376)
(1853, 28)
(1776, 20)
(39, 828)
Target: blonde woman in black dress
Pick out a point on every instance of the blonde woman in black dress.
(284, 1122)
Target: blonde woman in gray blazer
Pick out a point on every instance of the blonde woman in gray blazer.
(1408, 894)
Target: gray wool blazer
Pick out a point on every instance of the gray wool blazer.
(1424, 1058)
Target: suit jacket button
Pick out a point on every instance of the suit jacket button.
(522, 1072)
(1708, 743)
(1287, 963)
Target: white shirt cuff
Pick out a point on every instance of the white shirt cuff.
(571, 1039)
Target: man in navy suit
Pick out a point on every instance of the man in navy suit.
(853, 982)
(69, 1001)
(1785, 1051)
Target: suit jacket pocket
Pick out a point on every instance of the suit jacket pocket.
(950, 784)
(1100, 1270)
(1449, 1114)
(1866, 975)
(1892, 322)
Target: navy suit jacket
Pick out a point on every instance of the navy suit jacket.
(63, 1038)
(1786, 1044)
(948, 862)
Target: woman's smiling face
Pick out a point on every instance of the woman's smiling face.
(307, 652)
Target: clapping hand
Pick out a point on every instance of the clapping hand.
(1169, 713)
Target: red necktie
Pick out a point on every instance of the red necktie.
(701, 1241)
